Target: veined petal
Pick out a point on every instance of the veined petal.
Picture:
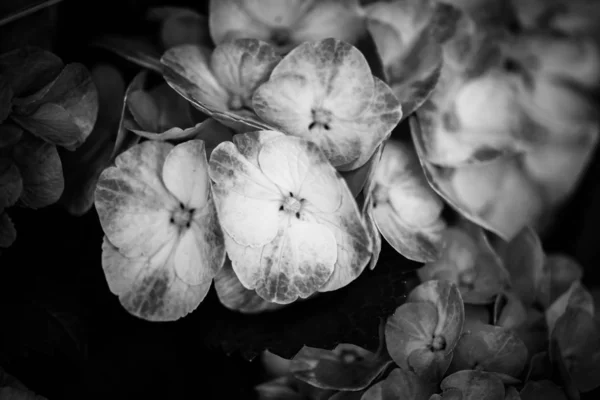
(294, 265)
(247, 202)
(148, 287)
(299, 167)
(243, 64)
(187, 70)
(133, 204)
(338, 72)
(185, 174)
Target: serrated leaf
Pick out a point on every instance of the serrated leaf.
(139, 51)
(64, 112)
(492, 349)
(347, 367)
(472, 385)
(8, 233)
(494, 195)
(400, 384)
(28, 69)
(41, 171)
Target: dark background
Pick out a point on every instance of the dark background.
(65, 335)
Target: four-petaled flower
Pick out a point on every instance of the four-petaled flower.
(291, 225)
(163, 243)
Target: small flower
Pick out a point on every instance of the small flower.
(405, 209)
(291, 225)
(325, 91)
(221, 83)
(422, 333)
(285, 23)
(163, 243)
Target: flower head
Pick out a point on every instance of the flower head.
(324, 91)
(291, 225)
(163, 244)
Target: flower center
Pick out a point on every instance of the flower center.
(292, 205)
(182, 216)
(438, 343)
(238, 103)
(320, 118)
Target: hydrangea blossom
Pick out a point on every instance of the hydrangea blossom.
(291, 225)
(163, 243)
(325, 91)
(285, 23)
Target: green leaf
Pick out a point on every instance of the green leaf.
(11, 184)
(492, 349)
(347, 367)
(544, 389)
(400, 384)
(68, 108)
(41, 171)
(472, 385)
(8, 233)
(138, 50)
(28, 69)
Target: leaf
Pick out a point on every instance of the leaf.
(28, 69)
(221, 83)
(523, 258)
(405, 209)
(422, 333)
(166, 271)
(41, 172)
(577, 334)
(235, 296)
(139, 51)
(126, 139)
(11, 184)
(558, 274)
(180, 26)
(65, 110)
(285, 185)
(400, 384)
(576, 297)
(347, 367)
(83, 166)
(307, 95)
(492, 349)
(8, 233)
(494, 195)
(544, 389)
(471, 385)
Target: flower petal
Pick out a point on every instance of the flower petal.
(185, 174)
(133, 204)
(330, 19)
(295, 264)
(148, 287)
(29, 68)
(338, 72)
(474, 385)
(298, 166)
(11, 184)
(41, 171)
(410, 328)
(180, 26)
(243, 64)
(235, 296)
(229, 19)
(8, 233)
(247, 202)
